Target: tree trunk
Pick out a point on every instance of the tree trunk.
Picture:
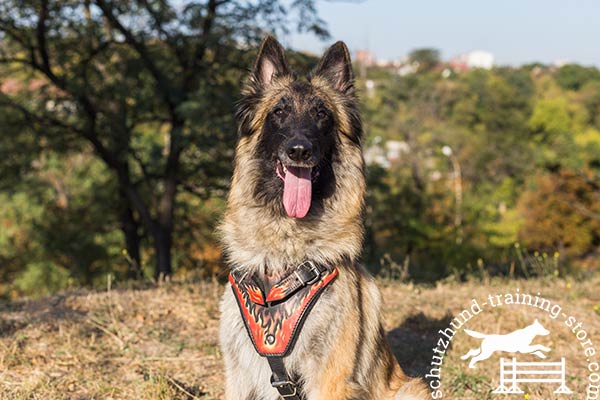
(163, 226)
(130, 227)
(162, 247)
(160, 228)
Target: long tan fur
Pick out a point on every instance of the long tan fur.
(341, 353)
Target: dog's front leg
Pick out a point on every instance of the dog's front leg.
(331, 378)
(246, 373)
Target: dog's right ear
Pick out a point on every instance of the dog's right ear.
(270, 62)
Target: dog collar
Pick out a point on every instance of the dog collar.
(274, 320)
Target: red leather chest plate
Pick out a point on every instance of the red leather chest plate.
(274, 327)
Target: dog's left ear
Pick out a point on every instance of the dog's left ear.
(336, 67)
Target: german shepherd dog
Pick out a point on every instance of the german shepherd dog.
(297, 194)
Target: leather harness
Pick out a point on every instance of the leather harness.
(274, 320)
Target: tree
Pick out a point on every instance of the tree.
(426, 58)
(562, 213)
(148, 84)
(509, 129)
(573, 76)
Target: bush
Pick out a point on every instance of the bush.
(41, 279)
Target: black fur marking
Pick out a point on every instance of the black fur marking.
(391, 359)
(246, 108)
(360, 344)
(309, 119)
(300, 112)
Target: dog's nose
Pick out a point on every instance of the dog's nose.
(299, 150)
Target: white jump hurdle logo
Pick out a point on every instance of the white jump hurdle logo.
(513, 372)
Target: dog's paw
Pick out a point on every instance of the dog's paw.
(539, 354)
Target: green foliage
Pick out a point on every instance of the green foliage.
(551, 117)
(527, 146)
(41, 279)
(117, 133)
(116, 123)
(573, 76)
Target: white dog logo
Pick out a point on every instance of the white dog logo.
(517, 341)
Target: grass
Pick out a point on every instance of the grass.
(162, 342)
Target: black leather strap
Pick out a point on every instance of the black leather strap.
(304, 274)
(287, 387)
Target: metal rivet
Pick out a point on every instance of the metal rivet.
(270, 339)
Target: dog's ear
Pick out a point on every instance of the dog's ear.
(270, 62)
(336, 67)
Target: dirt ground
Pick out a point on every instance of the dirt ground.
(162, 342)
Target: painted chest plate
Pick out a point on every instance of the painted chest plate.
(275, 320)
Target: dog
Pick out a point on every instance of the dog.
(517, 341)
(294, 209)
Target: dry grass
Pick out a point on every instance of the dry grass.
(161, 343)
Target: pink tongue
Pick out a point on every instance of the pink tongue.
(297, 191)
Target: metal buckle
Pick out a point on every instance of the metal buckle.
(313, 268)
(281, 387)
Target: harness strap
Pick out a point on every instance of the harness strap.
(281, 380)
(274, 320)
(304, 274)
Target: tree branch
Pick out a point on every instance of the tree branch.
(136, 157)
(41, 36)
(209, 20)
(169, 39)
(200, 193)
(9, 60)
(140, 47)
(44, 120)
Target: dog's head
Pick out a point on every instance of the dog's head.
(539, 329)
(296, 129)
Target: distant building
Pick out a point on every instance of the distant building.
(408, 68)
(480, 59)
(561, 62)
(395, 148)
(365, 58)
(376, 155)
(401, 66)
(383, 63)
(385, 154)
(473, 59)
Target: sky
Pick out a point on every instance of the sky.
(515, 31)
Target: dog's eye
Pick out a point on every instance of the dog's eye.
(321, 114)
(279, 112)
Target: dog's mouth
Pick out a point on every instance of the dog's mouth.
(297, 188)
